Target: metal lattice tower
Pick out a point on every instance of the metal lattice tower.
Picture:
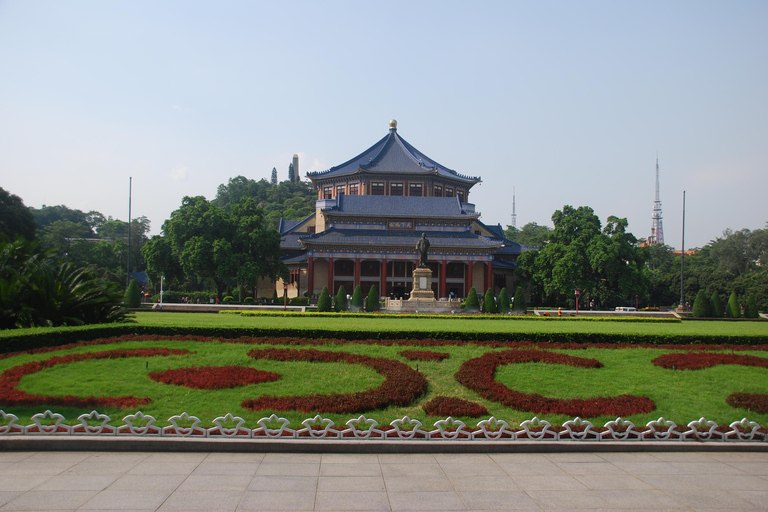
(657, 228)
(514, 215)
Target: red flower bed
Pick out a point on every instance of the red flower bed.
(402, 385)
(478, 374)
(424, 355)
(701, 360)
(214, 377)
(10, 378)
(755, 402)
(444, 406)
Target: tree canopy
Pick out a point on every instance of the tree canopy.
(531, 235)
(15, 218)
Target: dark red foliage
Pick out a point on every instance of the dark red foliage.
(754, 402)
(701, 360)
(424, 355)
(444, 406)
(478, 375)
(214, 377)
(10, 378)
(402, 385)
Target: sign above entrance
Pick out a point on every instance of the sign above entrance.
(400, 224)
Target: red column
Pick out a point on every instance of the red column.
(311, 276)
(468, 278)
(357, 272)
(489, 267)
(330, 275)
(383, 276)
(442, 289)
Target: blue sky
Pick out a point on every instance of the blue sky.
(569, 102)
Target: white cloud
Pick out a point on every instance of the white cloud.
(178, 174)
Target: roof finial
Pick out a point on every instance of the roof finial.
(393, 124)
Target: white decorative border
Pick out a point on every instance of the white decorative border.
(275, 427)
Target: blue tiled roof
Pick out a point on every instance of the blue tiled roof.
(393, 154)
(402, 206)
(408, 238)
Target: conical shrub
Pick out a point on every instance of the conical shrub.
(701, 305)
(751, 310)
(503, 304)
(489, 302)
(472, 304)
(340, 304)
(372, 301)
(520, 305)
(716, 305)
(132, 295)
(357, 299)
(734, 309)
(324, 301)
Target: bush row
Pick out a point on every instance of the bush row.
(444, 406)
(214, 377)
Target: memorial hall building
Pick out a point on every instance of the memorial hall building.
(371, 211)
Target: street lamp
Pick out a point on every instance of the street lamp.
(285, 296)
(577, 293)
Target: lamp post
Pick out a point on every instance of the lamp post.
(577, 293)
(285, 296)
(162, 278)
(637, 302)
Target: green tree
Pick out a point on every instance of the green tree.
(519, 304)
(372, 301)
(733, 308)
(701, 305)
(531, 234)
(340, 304)
(503, 305)
(751, 310)
(15, 217)
(716, 305)
(132, 295)
(324, 301)
(357, 302)
(489, 302)
(472, 303)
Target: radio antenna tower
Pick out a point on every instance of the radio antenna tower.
(514, 215)
(657, 229)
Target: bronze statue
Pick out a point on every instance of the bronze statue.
(422, 250)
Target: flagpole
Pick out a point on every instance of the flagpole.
(128, 265)
(682, 257)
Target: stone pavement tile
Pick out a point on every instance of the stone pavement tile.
(233, 457)
(25, 467)
(351, 483)
(548, 483)
(418, 501)
(683, 456)
(226, 468)
(407, 458)
(631, 499)
(175, 457)
(6, 496)
(351, 501)
(519, 458)
(87, 467)
(66, 482)
(709, 499)
(422, 484)
(673, 481)
(628, 457)
(163, 468)
(137, 499)
(60, 456)
(412, 470)
(284, 483)
(463, 458)
(758, 498)
(215, 483)
(49, 500)
(501, 483)
(350, 469)
(117, 457)
(532, 468)
(347, 458)
(221, 501)
(454, 471)
(615, 482)
(752, 468)
(4, 466)
(733, 482)
(14, 456)
(498, 501)
(288, 469)
(704, 468)
(295, 458)
(277, 501)
(590, 468)
(733, 457)
(13, 483)
(558, 500)
(646, 468)
(147, 482)
(573, 457)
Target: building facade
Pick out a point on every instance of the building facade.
(370, 213)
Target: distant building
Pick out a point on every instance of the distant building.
(370, 212)
(296, 173)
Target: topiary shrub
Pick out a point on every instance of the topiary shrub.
(132, 295)
(357, 299)
(701, 305)
(324, 301)
(372, 301)
(340, 304)
(520, 305)
(472, 304)
(249, 300)
(751, 310)
(228, 299)
(733, 309)
(503, 304)
(489, 302)
(299, 301)
(716, 305)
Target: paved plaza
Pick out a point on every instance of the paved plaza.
(335, 482)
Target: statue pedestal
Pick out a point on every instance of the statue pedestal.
(422, 284)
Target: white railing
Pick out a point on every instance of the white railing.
(274, 427)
